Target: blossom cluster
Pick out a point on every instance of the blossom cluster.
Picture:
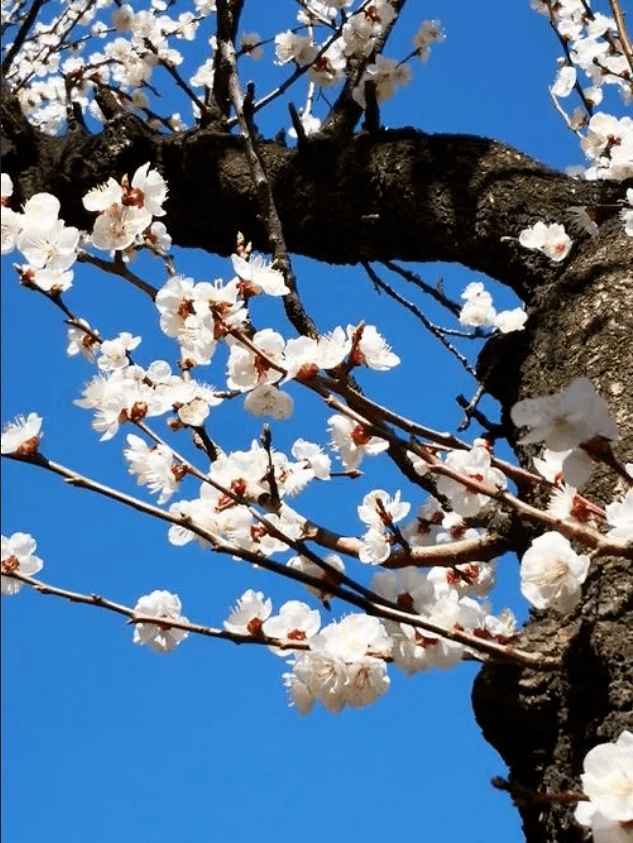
(345, 662)
(479, 312)
(125, 211)
(48, 244)
(565, 421)
(593, 48)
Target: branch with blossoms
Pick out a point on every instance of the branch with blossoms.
(161, 640)
(18, 559)
(419, 619)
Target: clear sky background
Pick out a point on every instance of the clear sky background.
(103, 740)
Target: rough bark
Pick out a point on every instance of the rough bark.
(403, 194)
(544, 724)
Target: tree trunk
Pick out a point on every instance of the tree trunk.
(544, 724)
(406, 195)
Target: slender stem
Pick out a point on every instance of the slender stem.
(371, 604)
(164, 622)
(118, 268)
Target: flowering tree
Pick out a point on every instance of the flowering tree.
(96, 174)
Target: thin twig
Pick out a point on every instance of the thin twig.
(372, 604)
(163, 622)
(295, 310)
(120, 269)
(434, 292)
(433, 329)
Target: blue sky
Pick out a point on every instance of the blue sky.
(103, 740)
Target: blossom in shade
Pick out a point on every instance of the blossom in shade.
(267, 400)
(552, 573)
(18, 555)
(385, 74)
(551, 239)
(477, 311)
(22, 435)
(627, 213)
(620, 518)
(511, 320)
(428, 32)
(159, 637)
(575, 414)
(574, 465)
(607, 779)
(249, 44)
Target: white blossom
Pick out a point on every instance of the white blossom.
(607, 780)
(246, 368)
(260, 274)
(18, 555)
(153, 466)
(22, 435)
(352, 441)
(345, 665)
(160, 638)
(314, 456)
(564, 420)
(511, 320)
(295, 622)
(551, 239)
(54, 248)
(269, 400)
(475, 464)
(620, 518)
(565, 81)
(148, 190)
(82, 342)
(113, 354)
(379, 508)
(552, 573)
(249, 614)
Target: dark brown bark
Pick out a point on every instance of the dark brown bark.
(543, 725)
(403, 194)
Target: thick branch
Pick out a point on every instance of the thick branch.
(394, 194)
